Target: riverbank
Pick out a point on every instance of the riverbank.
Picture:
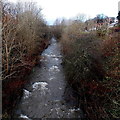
(91, 67)
(25, 35)
(12, 88)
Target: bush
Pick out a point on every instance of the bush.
(110, 50)
(91, 64)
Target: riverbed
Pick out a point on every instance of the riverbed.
(48, 95)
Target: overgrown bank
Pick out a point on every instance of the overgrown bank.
(24, 36)
(91, 64)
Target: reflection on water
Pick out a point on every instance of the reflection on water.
(47, 96)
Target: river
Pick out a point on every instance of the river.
(48, 95)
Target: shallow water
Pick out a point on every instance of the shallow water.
(48, 95)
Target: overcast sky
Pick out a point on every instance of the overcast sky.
(53, 9)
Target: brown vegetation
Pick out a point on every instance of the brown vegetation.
(91, 64)
(24, 36)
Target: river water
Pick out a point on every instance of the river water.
(48, 95)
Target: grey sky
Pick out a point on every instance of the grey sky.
(53, 9)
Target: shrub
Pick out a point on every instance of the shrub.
(110, 50)
(91, 64)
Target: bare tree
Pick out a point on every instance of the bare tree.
(23, 30)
